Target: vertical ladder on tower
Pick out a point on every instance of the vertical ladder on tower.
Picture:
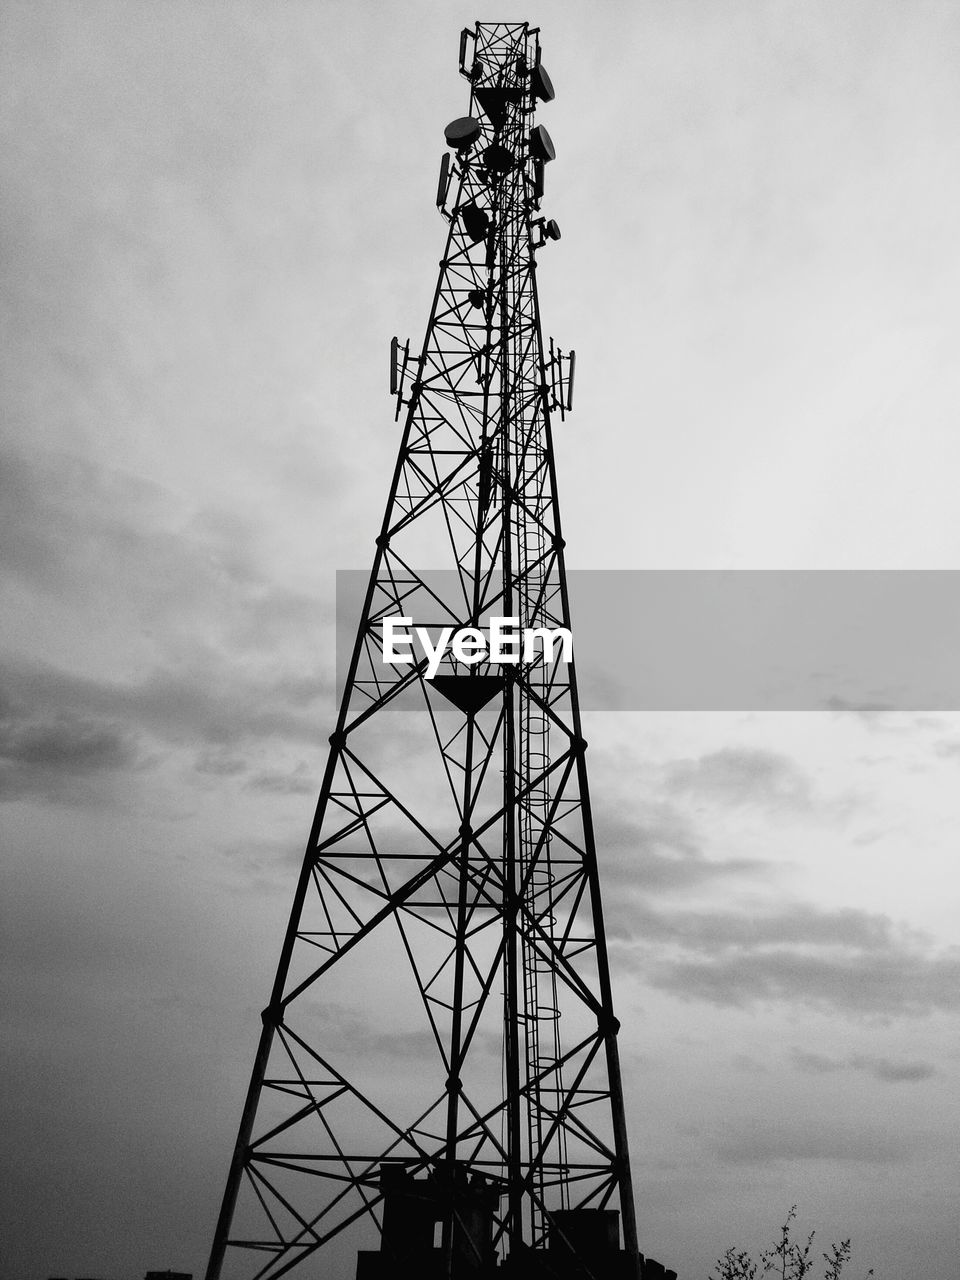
(541, 1008)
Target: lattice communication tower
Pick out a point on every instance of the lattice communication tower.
(437, 1088)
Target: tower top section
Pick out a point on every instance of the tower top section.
(501, 60)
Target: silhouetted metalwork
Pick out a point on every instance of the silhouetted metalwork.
(437, 1088)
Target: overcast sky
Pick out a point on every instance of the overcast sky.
(215, 216)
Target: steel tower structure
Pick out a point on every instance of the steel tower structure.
(437, 1082)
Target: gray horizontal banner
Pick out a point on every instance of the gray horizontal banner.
(746, 640)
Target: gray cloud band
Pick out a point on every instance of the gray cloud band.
(739, 640)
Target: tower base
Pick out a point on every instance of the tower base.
(419, 1213)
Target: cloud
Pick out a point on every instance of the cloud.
(798, 925)
(260, 868)
(889, 719)
(886, 1070)
(742, 776)
(654, 848)
(871, 714)
(777, 952)
(69, 744)
(748, 944)
(816, 1064)
(746, 1062)
(299, 781)
(50, 753)
(896, 979)
(55, 727)
(891, 1072)
(357, 1034)
(215, 653)
(220, 762)
(112, 546)
(811, 1140)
